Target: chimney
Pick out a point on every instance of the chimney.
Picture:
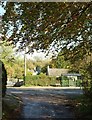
(48, 70)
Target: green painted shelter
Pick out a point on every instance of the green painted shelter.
(71, 80)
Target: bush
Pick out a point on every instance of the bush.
(65, 81)
(40, 80)
(4, 78)
(79, 83)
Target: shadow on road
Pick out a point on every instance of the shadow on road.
(43, 103)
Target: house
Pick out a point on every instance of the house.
(66, 79)
(56, 71)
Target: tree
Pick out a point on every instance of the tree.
(10, 70)
(18, 71)
(13, 65)
(40, 25)
(30, 64)
(7, 57)
(6, 51)
(59, 62)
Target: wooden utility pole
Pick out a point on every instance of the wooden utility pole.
(24, 65)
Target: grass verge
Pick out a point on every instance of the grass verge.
(11, 107)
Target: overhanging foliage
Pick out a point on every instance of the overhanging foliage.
(38, 25)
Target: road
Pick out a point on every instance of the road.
(45, 103)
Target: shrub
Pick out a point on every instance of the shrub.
(78, 83)
(65, 81)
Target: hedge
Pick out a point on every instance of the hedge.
(43, 80)
(40, 80)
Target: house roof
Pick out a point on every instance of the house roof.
(57, 72)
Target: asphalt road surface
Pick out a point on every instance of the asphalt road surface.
(46, 103)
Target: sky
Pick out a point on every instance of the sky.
(2, 11)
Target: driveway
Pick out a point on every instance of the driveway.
(46, 103)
